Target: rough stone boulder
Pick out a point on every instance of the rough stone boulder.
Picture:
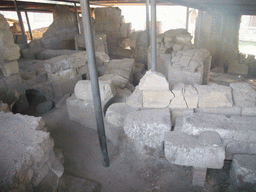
(27, 154)
(146, 128)
(204, 151)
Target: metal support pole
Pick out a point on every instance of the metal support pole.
(153, 34)
(21, 22)
(29, 28)
(77, 19)
(200, 19)
(187, 18)
(88, 36)
(147, 23)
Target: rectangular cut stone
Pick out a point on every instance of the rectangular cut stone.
(176, 76)
(198, 176)
(62, 76)
(214, 96)
(180, 113)
(240, 147)
(58, 64)
(183, 149)
(230, 111)
(147, 127)
(157, 99)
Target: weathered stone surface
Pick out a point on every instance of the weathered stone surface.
(199, 175)
(183, 149)
(248, 111)
(118, 81)
(179, 100)
(191, 96)
(240, 147)
(157, 99)
(136, 98)
(243, 170)
(44, 107)
(83, 90)
(81, 111)
(62, 76)
(152, 81)
(243, 94)
(214, 96)
(180, 112)
(238, 69)
(9, 68)
(220, 110)
(147, 127)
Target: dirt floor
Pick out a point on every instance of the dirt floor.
(127, 172)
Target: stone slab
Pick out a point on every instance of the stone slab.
(157, 99)
(229, 111)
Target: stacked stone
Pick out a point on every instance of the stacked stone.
(9, 52)
(80, 104)
(64, 71)
(27, 154)
(109, 21)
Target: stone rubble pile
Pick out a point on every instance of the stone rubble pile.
(9, 52)
(27, 154)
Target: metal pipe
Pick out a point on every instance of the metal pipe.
(187, 18)
(153, 34)
(21, 22)
(29, 28)
(200, 15)
(88, 36)
(147, 23)
(77, 20)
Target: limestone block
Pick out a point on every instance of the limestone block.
(175, 113)
(214, 96)
(58, 64)
(183, 38)
(244, 95)
(191, 96)
(238, 69)
(157, 99)
(248, 111)
(9, 68)
(243, 170)
(11, 52)
(240, 147)
(183, 149)
(62, 76)
(136, 98)
(153, 81)
(177, 47)
(198, 176)
(81, 111)
(147, 127)
(83, 90)
(229, 111)
(178, 101)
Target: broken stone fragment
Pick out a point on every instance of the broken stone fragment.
(9, 68)
(83, 90)
(136, 98)
(179, 100)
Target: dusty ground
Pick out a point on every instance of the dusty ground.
(127, 172)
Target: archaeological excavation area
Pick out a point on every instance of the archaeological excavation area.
(123, 96)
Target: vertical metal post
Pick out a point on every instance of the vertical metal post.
(29, 28)
(200, 19)
(187, 18)
(21, 22)
(77, 19)
(147, 23)
(88, 36)
(153, 34)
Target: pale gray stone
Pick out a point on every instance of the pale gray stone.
(183, 149)
(136, 98)
(248, 111)
(243, 94)
(240, 147)
(220, 110)
(191, 96)
(146, 128)
(44, 107)
(9, 68)
(179, 112)
(157, 98)
(178, 101)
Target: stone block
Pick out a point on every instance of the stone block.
(191, 96)
(229, 111)
(243, 170)
(11, 52)
(28, 54)
(153, 81)
(238, 69)
(243, 94)
(118, 81)
(146, 128)
(62, 76)
(183, 149)
(198, 176)
(240, 147)
(81, 111)
(157, 99)
(83, 90)
(248, 111)
(58, 64)
(178, 101)
(9, 68)
(180, 113)
(136, 98)
(214, 96)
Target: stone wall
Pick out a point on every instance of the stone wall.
(9, 52)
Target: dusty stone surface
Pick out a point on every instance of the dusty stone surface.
(237, 68)
(214, 96)
(183, 149)
(243, 170)
(26, 151)
(136, 98)
(248, 111)
(179, 100)
(83, 90)
(230, 111)
(180, 112)
(9, 68)
(147, 128)
(157, 99)
(243, 94)
(240, 147)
